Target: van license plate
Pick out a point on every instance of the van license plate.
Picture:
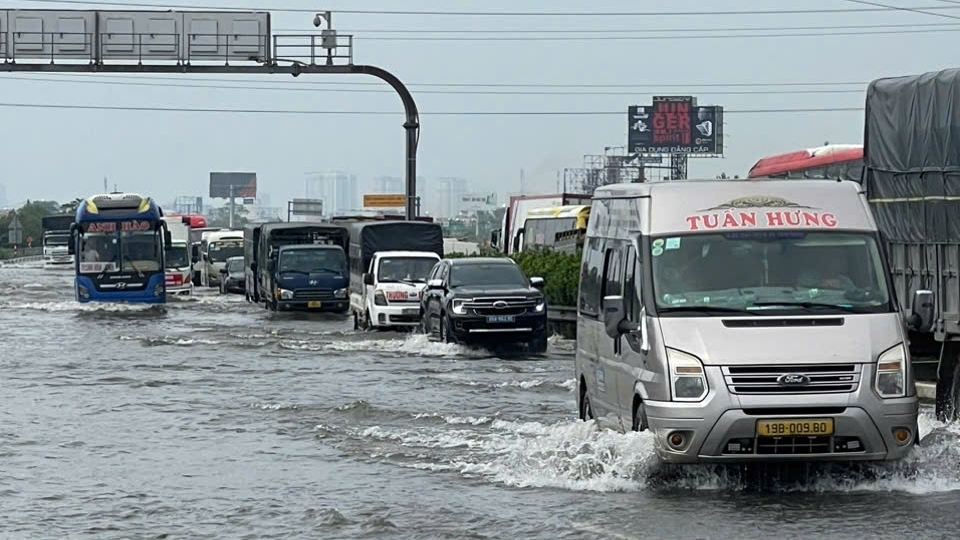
(794, 427)
(314, 304)
(500, 319)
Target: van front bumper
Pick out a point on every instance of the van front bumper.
(723, 427)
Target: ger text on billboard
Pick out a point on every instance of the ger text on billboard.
(675, 125)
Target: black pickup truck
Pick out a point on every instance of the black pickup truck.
(485, 300)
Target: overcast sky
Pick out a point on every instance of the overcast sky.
(60, 154)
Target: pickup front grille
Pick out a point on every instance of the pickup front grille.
(817, 379)
(508, 305)
(313, 294)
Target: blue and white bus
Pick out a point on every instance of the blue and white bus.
(118, 241)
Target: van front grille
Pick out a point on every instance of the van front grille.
(793, 379)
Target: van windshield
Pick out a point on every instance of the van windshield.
(769, 272)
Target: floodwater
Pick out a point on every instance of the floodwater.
(213, 418)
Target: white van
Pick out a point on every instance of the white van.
(390, 295)
(215, 248)
(745, 321)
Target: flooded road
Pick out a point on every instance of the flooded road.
(215, 418)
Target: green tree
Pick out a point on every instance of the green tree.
(70, 207)
(221, 218)
(30, 216)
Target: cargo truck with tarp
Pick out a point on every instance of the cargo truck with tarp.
(303, 266)
(912, 179)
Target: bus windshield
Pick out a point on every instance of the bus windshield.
(221, 250)
(767, 272)
(543, 231)
(118, 251)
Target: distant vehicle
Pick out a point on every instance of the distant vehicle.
(194, 221)
(178, 270)
(485, 300)
(829, 162)
(232, 278)
(251, 249)
(303, 266)
(389, 264)
(543, 224)
(215, 248)
(118, 241)
(745, 321)
(56, 240)
(509, 239)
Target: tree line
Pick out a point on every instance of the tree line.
(30, 216)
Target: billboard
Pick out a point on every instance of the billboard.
(306, 207)
(244, 185)
(384, 200)
(675, 125)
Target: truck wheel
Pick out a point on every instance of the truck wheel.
(951, 408)
(196, 279)
(356, 321)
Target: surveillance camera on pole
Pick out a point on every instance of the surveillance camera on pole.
(328, 36)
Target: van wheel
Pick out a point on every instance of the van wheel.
(639, 416)
(586, 411)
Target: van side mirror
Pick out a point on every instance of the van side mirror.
(271, 265)
(536, 282)
(434, 283)
(921, 311)
(223, 271)
(614, 317)
(167, 238)
(367, 278)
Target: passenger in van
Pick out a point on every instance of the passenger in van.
(828, 275)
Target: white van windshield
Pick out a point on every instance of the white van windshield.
(769, 271)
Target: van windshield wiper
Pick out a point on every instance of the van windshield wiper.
(704, 309)
(811, 305)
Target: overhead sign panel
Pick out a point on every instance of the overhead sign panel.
(397, 200)
(171, 36)
(675, 125)
(306, 207)
(224, 185)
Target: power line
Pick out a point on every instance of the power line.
(921, 11)
(275, 80)
(777, 35)
(631, 31)
(98, 81)
(864, 9)
(384, 113)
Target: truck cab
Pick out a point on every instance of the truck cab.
(178, 270)
(309, 277)
(392, 287)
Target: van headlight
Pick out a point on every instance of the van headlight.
(457, 307)
(688, 381)
(891, 372)
(286, 294)
(341, 293)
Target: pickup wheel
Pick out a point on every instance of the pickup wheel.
(538, 343)
(445, 335)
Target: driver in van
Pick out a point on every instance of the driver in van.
(677, 272)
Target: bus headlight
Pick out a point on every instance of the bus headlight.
(688, 381)
(341, 293)
(158, 290)
(83, 292)
(891, 371)
(285, 294)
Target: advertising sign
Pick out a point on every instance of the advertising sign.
(675, 125)
(375, 200)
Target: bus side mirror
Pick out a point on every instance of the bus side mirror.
(271, 265)
(167, 238)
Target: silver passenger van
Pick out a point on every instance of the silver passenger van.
(745, 321)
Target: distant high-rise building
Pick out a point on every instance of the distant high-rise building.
(388, 184)
(3, 195)
(337, 189)
(442, 196)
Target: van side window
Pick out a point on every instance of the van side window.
(612, 273)
(590, 268)
(631, 284)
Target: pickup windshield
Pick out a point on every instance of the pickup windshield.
(310, 260)
(769, 272)
(502, 274)
(405, 268)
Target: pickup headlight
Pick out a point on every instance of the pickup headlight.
(379, 299)
(891, 373)
(541, 305)
(688, 381)
(285, 294)
(457, 307)
(341, 293)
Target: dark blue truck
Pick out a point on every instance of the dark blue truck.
(304, 267)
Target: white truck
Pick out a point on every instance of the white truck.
(56, 237)
(177, 268)
(215, 248)
(390, 296)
